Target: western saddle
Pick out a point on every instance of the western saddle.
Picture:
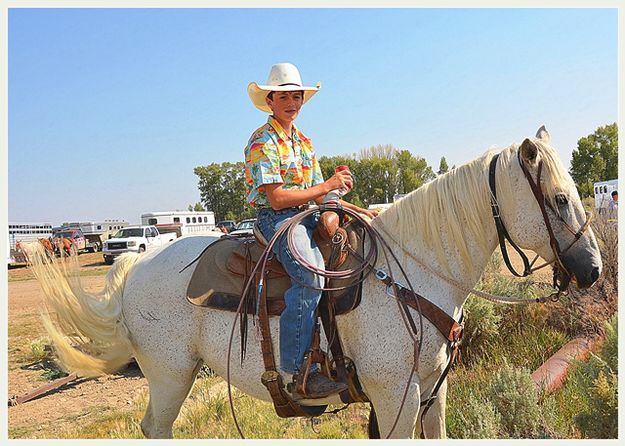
(230, 261)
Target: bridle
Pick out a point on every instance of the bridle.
(561, 276)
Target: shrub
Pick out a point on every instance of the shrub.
(475, 419)
(480, 329)
(606, 233)
(599, 376)
(514, 396)
(40, 349)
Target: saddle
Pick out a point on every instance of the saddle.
(229, 262)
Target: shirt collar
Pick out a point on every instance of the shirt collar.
(280, 130)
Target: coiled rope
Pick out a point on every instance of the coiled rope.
(366, 266)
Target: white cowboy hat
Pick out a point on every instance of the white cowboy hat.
(282, 77)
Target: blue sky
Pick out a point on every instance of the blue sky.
(111, 109)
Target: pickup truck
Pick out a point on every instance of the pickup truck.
(134, 239)
(80, 241)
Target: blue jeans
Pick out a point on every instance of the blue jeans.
(298, 318)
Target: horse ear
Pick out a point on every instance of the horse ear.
(529, 151)
(543, 134)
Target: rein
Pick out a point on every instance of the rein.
(503, 235)
(559, 282)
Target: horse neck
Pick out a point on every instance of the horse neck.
(417, 245)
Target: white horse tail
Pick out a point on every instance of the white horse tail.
(91, 338)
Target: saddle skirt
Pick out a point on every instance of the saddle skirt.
(224, 267)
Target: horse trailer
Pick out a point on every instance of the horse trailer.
(25, 233)
(181, 222)
(603, 194)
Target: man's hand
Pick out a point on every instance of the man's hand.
(342, 179)
(371, 213)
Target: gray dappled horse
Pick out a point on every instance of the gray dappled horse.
(446, 224)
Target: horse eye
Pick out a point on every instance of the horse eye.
(561, 199)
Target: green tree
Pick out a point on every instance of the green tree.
(380, 172)
(442, 166)
(413, 172)
(595, 159)
(222, 190)
(197, 207)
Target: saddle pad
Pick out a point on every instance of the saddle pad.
(222, 269)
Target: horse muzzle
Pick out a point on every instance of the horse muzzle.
(580, 271)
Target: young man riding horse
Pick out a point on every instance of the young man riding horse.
(282, 175)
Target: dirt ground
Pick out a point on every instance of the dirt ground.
(60, 409)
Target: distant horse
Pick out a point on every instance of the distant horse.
(64, 246)
(446, 224)
(47, 244)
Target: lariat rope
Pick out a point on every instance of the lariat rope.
(372, 255)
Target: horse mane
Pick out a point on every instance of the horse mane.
(460, 201)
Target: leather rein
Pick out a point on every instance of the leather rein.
(561, 276)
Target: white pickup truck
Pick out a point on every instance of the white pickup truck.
(134, 239)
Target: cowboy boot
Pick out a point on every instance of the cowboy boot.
(317, 386)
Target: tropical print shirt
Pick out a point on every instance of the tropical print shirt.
(270, 157)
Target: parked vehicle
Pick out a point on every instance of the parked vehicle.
(603, 194)
(96, 232)
(244, 227)
(230, 225)
(24, 233)
(135, 239)
(80, 242)
(181, 222)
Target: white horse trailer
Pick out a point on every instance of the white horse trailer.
(182, 222)
(25, 233)
(28, 232)
(603, 194)
(103, 228)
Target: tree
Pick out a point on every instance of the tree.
(197, 207)
(413, 172)
(443, 167)
(595, 159)
(222, 189)
(380, 172)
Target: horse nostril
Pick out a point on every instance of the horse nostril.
(594, 275)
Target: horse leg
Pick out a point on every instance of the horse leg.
(372, 427)
(434, 421)
(387, 402)
(168, 390)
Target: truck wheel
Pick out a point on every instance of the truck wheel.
(108, 260)
(141, 249)
(96, 247)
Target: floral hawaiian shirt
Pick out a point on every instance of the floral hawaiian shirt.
(271, 158)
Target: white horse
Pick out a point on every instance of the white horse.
(446, 225)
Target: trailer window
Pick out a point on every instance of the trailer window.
(176, 219)
(188, 220)
(152, 221)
